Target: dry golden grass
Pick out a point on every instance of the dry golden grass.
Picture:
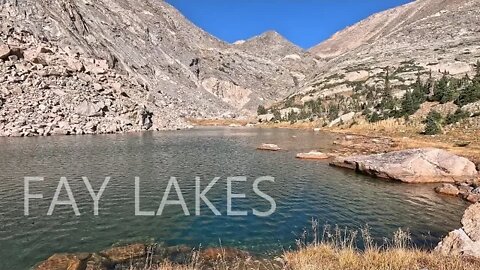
(336, 249)
(328, 257)
(408, 135)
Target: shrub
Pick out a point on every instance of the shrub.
(455, 117)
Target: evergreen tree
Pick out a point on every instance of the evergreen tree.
(433, 123)
(387, 90)
(470, 94)
(420, 91)
(261, 110)
(333, 111)
(374, 117)
(410, 104)
(277, 116)
(444, 90)
(429, 84)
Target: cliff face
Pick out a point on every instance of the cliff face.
(164, 52)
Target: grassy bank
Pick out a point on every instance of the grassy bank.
(337, 250)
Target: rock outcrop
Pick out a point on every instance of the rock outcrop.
(427, 165)
(464, 241)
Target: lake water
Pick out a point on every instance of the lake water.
(302, 190)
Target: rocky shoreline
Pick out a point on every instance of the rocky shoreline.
(148, 256)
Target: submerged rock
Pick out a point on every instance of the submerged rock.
(464, 241)
(428, 165)
(269, 147)
(124, 253)
(313, 155)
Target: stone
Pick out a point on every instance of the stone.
(97, 87)
(426, 165)
(473, 198)
(89, 109)
(313, 155)
(448, 189)
(263, 118)
(4, 51)
(125, 253)
(471, 222)
(59, 131)
(465, 190)
(344, 119)
(269, 147)
(63, 262)
(95, 66)
(74, 65)
(35, 55)
(464, 241)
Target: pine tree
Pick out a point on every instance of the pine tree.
(333, 111)
(420, 91)
(433, 123)
(261, 110)
(387, 90)
(470, 94)
(410, 104)
(277, 116)
(477, 74)
(442, 93)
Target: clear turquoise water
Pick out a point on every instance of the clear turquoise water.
(303, 190)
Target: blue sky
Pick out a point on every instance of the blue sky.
(304, 22)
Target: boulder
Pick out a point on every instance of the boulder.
(269, 147)
(89, 109)
(95, 66)
(464, 241)
(74, 65)
(448, 189)
(265, 118)
(473, 198)
(4, 51)
(64, 262)
(465, 189)
(36, 55)
(313, 155)
(342, 119)
(426, 165)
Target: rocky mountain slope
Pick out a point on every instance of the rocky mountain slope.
(46, 90)
(164, 52)
(388, 54)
